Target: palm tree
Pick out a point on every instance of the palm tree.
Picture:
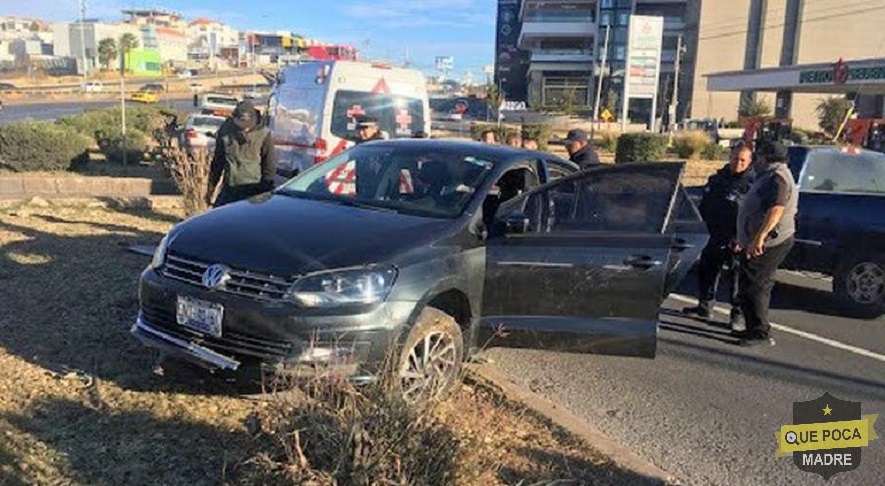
(128, 43)
(107, 52)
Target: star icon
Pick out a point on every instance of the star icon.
(828, 410)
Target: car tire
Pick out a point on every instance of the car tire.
(859, 285)
(430, 359)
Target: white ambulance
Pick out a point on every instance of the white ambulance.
(313, 109)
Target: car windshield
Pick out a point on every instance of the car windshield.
(412, 180)
(398, 116)
(834, 171)
(221, 100)
(207, 121)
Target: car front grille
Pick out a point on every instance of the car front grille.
(242, 282)
(240, 344)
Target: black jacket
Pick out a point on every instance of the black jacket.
(586, 157)
(722, 197)
(245, 162)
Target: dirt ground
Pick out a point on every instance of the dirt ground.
(80, 405)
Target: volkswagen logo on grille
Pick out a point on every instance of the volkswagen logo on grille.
(216, 276)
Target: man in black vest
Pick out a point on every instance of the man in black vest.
(719, 207)
(766, 226)
(244, 158)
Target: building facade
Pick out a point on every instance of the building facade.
(71, 38)
(163, 31)
(208, 38)
(771, 36)
(550, 52)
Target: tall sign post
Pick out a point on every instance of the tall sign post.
(645, 39)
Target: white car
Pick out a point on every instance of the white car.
(197, 129)
(218, 104)
(185, 75)
(93, 87)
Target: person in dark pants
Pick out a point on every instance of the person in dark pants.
(580, 150)
(766, 227)
(719, 207)
(244, 159)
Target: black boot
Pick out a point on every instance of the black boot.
(702, 310)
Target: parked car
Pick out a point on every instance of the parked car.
(184, 75)
(153, 88)
(7, 87)
(218, 104)
(199, 132)
(93, 87)
(841, 225)
(840, 229)
(427, 251)
(144, 97)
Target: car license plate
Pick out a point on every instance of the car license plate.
(201, 316)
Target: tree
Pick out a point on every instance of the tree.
(107, 52)
(755, 108)
(831, 112)
(493, 97)
(128, 43)
(34, 27)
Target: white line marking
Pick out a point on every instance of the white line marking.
(789, 330)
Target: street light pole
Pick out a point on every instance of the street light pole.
(123, 98)
(83, 41)
(601, 75)
(674, 100)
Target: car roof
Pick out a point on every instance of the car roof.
(499, 152)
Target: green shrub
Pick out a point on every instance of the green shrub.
(691, 144)
(540, 132)
(715, 152)
(609, 141)
(130, 148)
(107, 123)
(641, 147)
(36, 146)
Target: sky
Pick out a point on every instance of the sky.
(384, 29)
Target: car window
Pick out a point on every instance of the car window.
(398, 116)
(831, 170)
(614, 201)
(221, 100)
(207, 121)
(413, 180)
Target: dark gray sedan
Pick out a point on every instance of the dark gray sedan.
(424, 251)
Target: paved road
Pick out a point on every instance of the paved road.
(707, 410)
(52, 111)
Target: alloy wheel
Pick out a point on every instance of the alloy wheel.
(866, 283)
(429, 367)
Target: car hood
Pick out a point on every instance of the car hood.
(287, 236)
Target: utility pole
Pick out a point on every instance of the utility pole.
(601, 75)
(674, 100)
(83, 41)
(123, 99)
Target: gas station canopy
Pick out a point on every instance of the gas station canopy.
(838, 78)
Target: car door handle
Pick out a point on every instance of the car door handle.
(642, 261)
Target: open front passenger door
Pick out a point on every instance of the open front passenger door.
(579, 264)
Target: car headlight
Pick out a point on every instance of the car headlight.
(360, 286)
(160, 253)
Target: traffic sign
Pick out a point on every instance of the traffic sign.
(606, 115)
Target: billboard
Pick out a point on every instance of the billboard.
(445, 63)
(511, 64)
(643, 70)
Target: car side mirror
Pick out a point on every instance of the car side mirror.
(516, 224)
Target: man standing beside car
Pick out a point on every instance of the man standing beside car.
(723, 194)
(244, 158)
(580, 150)
(766, 227)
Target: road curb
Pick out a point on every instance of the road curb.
(99, 202)
(617, 453)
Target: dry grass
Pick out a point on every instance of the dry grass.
(191, 176)
(79, 404)
(691, 144)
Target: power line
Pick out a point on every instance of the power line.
(805, 13)
(800, 21)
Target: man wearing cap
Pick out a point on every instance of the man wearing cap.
(367, 129)
(766, 225)
(244, 157)
(579, 149)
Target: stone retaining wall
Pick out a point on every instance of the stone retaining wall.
(24, 186)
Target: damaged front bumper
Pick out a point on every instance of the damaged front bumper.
(171, 345)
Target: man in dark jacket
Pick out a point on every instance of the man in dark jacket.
(580, 150)
(719, 207)
(244, 160)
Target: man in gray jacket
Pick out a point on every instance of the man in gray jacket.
(766, 226)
